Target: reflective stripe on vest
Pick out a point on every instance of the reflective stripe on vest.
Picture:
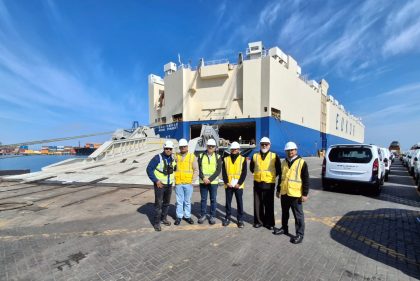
(159, 171)
(291, 181)
(234, 170)
(184, 168)
(265, 170)
(209, 166)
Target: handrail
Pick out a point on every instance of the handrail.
(219, 61)
(115, 148)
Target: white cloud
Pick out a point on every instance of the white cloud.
(403, 29)
(407, 40)
(269, 14)
(413, 88)
(38, 89)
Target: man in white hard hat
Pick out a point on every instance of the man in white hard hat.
(234, 174)
(293, 189)
(161, 172)
(266, 167)
(186, 173)
(209, 165)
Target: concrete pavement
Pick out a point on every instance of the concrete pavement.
(94, 232)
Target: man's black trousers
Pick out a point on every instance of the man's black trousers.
(295, 204)
(162, 200)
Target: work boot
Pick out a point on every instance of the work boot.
(157, 227)
(189, 220)
(202, 219)
(257, 225)
(241, 224)
(212, 220)
(226, 222)
(297, 239)
(280, 231)
(166, 222)
(269, 227)
(177, 221)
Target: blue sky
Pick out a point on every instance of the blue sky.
(74, 67)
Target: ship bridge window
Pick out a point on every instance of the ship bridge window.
(276, 113)
(242, 132)
(177, 117)
(164, 120)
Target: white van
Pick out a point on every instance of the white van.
(417, 167)
(360, 164)
(410, 162)
(386, 158)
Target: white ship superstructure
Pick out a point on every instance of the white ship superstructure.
(263, 93)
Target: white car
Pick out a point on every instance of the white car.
(355, 164)
(405, 158)
(416, 165)
(386, 158)
(410, 162)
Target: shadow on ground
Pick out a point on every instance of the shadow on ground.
(148, 210)
(390, 236)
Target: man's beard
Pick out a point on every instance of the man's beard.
(264, 150)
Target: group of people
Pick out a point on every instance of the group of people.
(181, 169)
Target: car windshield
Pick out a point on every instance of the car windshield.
(350, 155)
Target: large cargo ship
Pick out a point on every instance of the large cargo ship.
(263, 93)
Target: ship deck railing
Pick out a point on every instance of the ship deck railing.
(213, 62)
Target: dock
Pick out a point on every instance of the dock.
(97, 231)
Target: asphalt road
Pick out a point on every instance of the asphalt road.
(95, 232)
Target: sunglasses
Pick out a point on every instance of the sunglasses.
(264, 144)
(211, 146)
(167, 148)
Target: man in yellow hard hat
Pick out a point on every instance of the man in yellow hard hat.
(293, 189)
(234, 174)
(186, 173)
(161, 172)
(210, 165)
(266, 167)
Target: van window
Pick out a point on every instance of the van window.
(350, 155)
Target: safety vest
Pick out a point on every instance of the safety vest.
(265, 170)
(234, 170)
(291, 182)
(209, 166)
(184, 168)
(161, 170)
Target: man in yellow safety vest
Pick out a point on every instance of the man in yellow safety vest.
(210, 165)
(266, 167)
(234, 174)
(186, 173)
(161, 172)
(293, 190)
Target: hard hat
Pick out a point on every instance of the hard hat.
(265, 140)
(290, 145)
(168, 144)
(211, 142)
(183, 142)
(235, 145)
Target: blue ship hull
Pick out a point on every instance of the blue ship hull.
(309, 141)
